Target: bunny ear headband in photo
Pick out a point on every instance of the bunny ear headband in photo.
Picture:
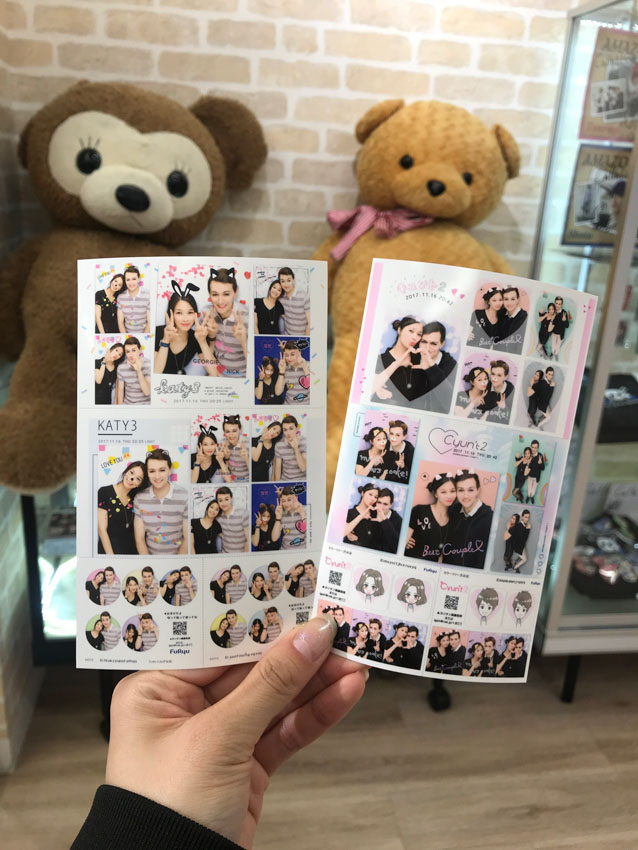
(208, 431)
(190, 287)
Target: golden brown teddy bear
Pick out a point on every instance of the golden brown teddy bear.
(441, 171)
(122, 173)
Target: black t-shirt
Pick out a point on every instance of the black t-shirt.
(468, 540)
(375, 654)
(429, 536)
(119, 522)
(544, 392)
(108, 316)
(204, 476)
(561, 323)
(94, 592)
(268, 320)
(514, 668)
(376, 471)
(268, 395)
(169, 595)
(492, 330)
(176, 363)
(262, 468)
(205, 538)
(341, 638)
(266, 543)
(365, 531)
(388, 532)
(96, 642)
(412, 656)
(537, 465)
(104, 390)
(400, 475)
(519, 533)
(223, 640)
(544, 330)
(218, 592)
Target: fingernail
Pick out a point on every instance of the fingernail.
(366, 675)
(313, 639)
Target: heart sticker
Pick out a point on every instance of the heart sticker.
(301, 526)
(305, 381)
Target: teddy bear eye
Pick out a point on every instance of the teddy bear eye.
(406, 161)
(177, 183)
(88, 160)
(467, 177)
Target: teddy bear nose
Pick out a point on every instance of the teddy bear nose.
(132, 198)
(435, 187)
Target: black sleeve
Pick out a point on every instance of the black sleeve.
(123, 820)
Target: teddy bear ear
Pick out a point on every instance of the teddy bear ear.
(509, 149)
(23, 142)
(238, 136)
(376, 115)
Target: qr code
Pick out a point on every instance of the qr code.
(301, 617)
(335, 578)
(451, 603)
(179, 627)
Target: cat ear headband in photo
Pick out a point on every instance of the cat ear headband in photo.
(446, 475)
(190, 287)
(491, 291)
(232, 420)
(214, 273)
(465, 472)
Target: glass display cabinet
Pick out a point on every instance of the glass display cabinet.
(586, 240)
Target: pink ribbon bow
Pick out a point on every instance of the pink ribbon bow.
(386, 223)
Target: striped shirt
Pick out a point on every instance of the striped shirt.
(293, 531)
(151, 591)
(295, 308)
(290, 469)
(237, 633)
(234, 526)
(135, 310)
(149, 639)
(234, 592)
(186, 595)
(133, 393)
(228, 350)
(110, 593)
(274, 630)
(306, 585)
(162, 518)
(297, 386)
(276, 586)
(237, 465)
(111, 637)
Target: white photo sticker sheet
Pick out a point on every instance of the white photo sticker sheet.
(201, 457)
(454, 448)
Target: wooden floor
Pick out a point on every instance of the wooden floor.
(508, 767)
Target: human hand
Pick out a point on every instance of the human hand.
(410, 543)
(200, 330)
(243, 452)
(383, 393)
(239, 328)
(279, 511)
(275, 707)
(400, 461)
(501, 402)
(211, 325)
(170, 331)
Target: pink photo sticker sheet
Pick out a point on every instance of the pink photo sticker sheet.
(454, 448)
(201, 457)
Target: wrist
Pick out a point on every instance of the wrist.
(163, 344)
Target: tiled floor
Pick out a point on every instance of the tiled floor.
(509, 767)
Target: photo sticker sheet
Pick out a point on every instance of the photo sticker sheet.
(201, 457)
(452, 458)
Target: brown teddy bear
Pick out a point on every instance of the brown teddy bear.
(426, 173)
(122, 173)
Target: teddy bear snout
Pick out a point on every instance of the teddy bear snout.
(435, 187)
(132, 198)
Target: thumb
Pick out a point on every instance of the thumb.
(278, 677)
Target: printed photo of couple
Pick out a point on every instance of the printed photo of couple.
(417, 364)
(220, 523)
(282, 301)
(279, 447)
(528, 471)
(486, 388)
(145, 510)
(228, 629)
(554, 327)
(386, 448)
(499, 318)
(517, 539)
(499, 607)
(122, 301)
(540, 396)
(122, 369)
(477, 654)
(219, 449)
(376, 638)
(451, 515)
(202, 325)
(280, 517)
(282, 370)
(374, 515)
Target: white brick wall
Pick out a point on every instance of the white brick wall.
(309, 69)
